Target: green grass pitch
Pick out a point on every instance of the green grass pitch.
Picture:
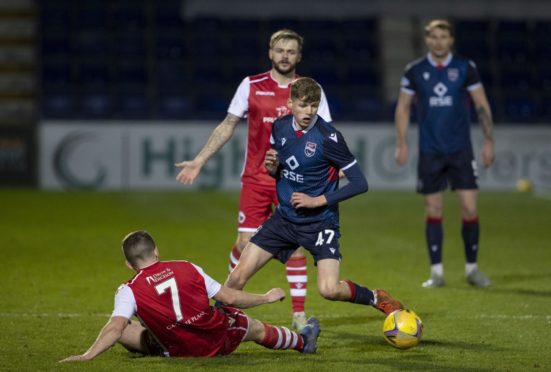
(61, 264)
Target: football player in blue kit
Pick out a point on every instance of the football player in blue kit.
(305, 158)
(442, 83)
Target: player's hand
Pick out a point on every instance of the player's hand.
(271, 161)
(487, 153)
(74, 358)
(401, 154)
(274, 295)
(189, 171)
(300, 200)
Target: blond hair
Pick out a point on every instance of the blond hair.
(286, 34)
(439, 23)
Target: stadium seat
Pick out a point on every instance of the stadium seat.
(95, 105)
(175, 107)
(523, 108)
(58, 103)
(131, 105)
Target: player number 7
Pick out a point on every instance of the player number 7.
(171, 283)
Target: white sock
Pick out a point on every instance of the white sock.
(437, 269)
(470, 267)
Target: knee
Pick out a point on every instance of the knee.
(469, 213)
(236, 279)
(298, 253)
(329, 291)
(242, 240)
(434, 210)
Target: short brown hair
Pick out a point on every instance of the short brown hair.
(439, 23)
(286, 34)
(306, 89)
(138, 246)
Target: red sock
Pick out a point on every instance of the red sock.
(234, 258)
(298, 281)
(281, 338)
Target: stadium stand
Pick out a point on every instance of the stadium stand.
(140, 59)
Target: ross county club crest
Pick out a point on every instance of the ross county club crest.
(310, 149)
(453, 74)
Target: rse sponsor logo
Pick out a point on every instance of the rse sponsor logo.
(268, 119)
(263, 93)
(292, 176)
(442, 100)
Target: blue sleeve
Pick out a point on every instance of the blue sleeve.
(357, 184)
(338, 153)
(336, 150)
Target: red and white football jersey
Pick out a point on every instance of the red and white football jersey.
(262, 99)
(171, 298)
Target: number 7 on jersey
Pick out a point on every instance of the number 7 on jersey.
(171, 284)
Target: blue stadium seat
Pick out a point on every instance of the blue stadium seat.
(131, 72)
(176, 107)
(58, 103)
(94, 75)
(363, 28)
(56, 73)
(59, 47)
(95, 105)
(524, 108)
(93, 17)
(130, 47)
(131, 105)
(174, 76)
(92, 45)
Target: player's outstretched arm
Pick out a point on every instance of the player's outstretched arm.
(108, 336)
(221, 134)
(242, 299)
(401, 119)
(485, 120)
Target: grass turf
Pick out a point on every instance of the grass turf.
(62, 265)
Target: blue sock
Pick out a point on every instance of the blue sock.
(434, 235)
(360, 295)
(470, 230)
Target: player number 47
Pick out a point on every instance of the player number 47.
(327, 232)
(171, 284)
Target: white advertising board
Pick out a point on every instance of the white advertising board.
(110, 155)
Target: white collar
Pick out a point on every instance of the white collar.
(278, 83)
(445, 63)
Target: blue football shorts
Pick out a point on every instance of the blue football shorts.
(281, 238)
(435, 172)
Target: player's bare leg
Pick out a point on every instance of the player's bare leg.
(252, 260)
(296, 270)
(137, 339)
(470, 230)
(275, 337)
(434, 235)
(334, 289)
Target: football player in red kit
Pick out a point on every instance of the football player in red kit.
(171, 300)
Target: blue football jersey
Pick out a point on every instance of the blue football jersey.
(309, 164)
(442, 96)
